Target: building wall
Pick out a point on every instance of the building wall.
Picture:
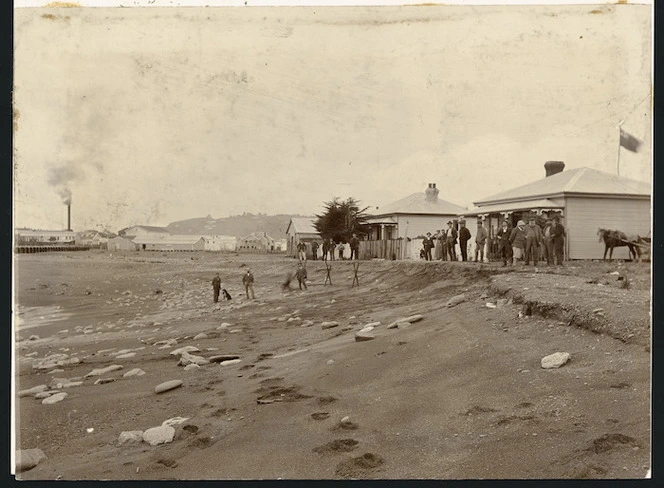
(415, 225)
(585, 215)
(120, 244)
(295, 238)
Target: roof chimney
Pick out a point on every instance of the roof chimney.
(431, 193)
(553, 167)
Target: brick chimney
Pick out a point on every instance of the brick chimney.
(553, 167)
(431, 193)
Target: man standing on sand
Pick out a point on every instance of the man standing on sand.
(354, 247)
(216, 287)
(248, 282)
(314, 250)
(301, 275)
(451, 240)
(518, 241)
(503, 236)
(331, 246)
(558, 236)
(464, 237)
(533, 241)
(427, 243)
(302, 251)
(548, 243)
(326, 248)
(480, 240)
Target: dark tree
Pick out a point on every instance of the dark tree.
(342, 219)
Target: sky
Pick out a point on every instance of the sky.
(152, 115)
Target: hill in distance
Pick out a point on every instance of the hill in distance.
(237, 225)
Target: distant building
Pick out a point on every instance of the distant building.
(32, 237)
(585, 199)
(280, 245)
(121, 244)
(171, 243)
(144, 231)
(301, 229)
(220, 243)
(256, 242)
(94, 238)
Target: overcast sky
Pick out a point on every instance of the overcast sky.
(147, 116)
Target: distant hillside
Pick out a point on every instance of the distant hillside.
(237, 225)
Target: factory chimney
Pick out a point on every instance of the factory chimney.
(553, 167)
(69, 216)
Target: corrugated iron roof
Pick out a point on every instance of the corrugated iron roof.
(417, 204)
(579, 180)
(171, 239)
(543, 203)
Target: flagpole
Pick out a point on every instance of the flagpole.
(619, 136)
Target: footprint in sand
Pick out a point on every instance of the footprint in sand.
(339, 445)
(476, 410)
(608, 442)
(320, 415)
(345, 425)
(326, 400)
(360, 467)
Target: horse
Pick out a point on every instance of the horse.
(616, 238)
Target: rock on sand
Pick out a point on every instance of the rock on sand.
(364, 336)
(130, 437)
(180, 350)
(555, 360)
(159, 435)
(27, 459)
(32, 391)
(167, 385)
(328, 325)
(455, 300)
(101, 371)
(134, 372)
(58, 397)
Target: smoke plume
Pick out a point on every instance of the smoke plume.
(60, 178)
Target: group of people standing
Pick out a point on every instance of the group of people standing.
(522, 243)
(443, 243)
(328, 249)
(217, 287)
(527, 242)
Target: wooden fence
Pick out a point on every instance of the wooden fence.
(385, 249)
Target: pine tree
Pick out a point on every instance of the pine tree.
(342, 219)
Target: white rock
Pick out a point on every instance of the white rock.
(490, 305)
(191, 366)
(58, 397)
(372, 325)
(367, 328)
(130, 437)
(393, 325)
(403, 325)
(345, 419)
(307, 323)
(229, 362)
(330, 361)
(32, 391)
(70, 384)
(175, 421)
(414, 318)
(364, 336)
(46, 394)
(125, 356)
(180, 350)
(134, 372)
(167, 385)
(200, 336)
(27, 459)
(555, 360)
(101, 371)
(159, 435)
(33, 338)
(455, 300)
(186, 358)
(329, 325)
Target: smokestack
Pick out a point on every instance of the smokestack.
(553, 167)
(69, 217)
(431, 193)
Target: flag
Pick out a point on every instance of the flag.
(629, 142)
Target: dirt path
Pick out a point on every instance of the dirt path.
(457, 395)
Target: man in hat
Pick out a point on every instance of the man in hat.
(248, 282)
(314, 250)
(301, 275)
(480, 241)
(548, 243)
(503, 236)
(533, 241)
(558, 237)
(464, 237)
(354, 247)
(216, 287)
(451, 240)
(427, 244)
(518, 241)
